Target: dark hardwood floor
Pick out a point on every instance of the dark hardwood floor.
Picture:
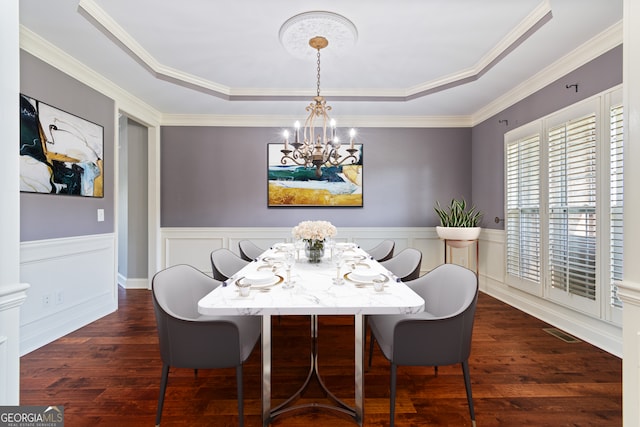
(108, 374)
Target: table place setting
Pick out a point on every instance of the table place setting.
(285, 282)
(300, 278)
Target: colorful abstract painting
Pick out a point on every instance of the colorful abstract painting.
(295, 185)
(59, 153)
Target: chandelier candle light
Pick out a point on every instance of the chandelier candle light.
(323, 149)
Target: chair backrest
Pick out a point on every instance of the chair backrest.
(249, 251)
(225, 264)
(442, 334)
(188, 339)
(383, 251)
(405, 265)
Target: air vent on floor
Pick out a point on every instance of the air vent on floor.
(561, 335)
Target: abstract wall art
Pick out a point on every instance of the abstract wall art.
(293, 185)
(60, 153)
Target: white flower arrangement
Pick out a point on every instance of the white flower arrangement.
(314, 230)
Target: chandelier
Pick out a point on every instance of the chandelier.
(319, 145)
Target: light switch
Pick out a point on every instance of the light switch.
(100, 215)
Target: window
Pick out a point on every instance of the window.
(572, 207)
(523, 208)
(564, 199)
(615, 206)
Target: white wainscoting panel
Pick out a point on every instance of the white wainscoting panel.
(193, 246)
(602, 334)
(73, 283)
(12, 296)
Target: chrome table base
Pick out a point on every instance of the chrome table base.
(356, 413)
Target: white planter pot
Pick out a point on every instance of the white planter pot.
(459, 237)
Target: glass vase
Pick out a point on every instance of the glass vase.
(314, 250)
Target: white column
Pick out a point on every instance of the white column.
(12, 293)
(630, 288)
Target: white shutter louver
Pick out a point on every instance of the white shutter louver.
(523, 208)
(572, 207)
(616, 202)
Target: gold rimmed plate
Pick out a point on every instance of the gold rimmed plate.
(349, 277)
(271, 267)
(277, 279)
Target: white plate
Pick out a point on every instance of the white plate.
(346, 246)
(355, 258)
(364, 275)
(259, 277)
(276, 279)
(273, 259)
(349, 276)
(283, 247)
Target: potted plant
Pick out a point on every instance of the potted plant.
(458, 223)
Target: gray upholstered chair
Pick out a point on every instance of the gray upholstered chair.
(441, 335)
(405, 265)
(225, 264)
(383, 251)
(191, 340)
(249, 251)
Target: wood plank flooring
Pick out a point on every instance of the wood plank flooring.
(108, 374)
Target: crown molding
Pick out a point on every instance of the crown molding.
(108, 26)
(34, 44)
(590, 50)
(527, 27)
(44, 50)
(286, 121)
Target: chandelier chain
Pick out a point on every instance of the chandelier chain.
(318, 69)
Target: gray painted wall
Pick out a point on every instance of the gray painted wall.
(45, 216)
(217, 177)
(137, 215)
(132, 199)
(123, 191)
(487, 150)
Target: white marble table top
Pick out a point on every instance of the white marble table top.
(314, 291)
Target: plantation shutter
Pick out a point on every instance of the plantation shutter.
(616, 205)
(523, 208)
(572, 207)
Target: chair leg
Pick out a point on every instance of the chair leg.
(163, 387)
(467, 385)
(371, 340)
(240, 395)
(392, 398)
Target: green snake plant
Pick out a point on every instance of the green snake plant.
(457, 214)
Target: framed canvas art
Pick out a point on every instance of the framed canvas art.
(59, 153)
(294, 185)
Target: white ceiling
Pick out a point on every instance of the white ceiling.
(412, 58)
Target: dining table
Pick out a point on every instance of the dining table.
(342, 283)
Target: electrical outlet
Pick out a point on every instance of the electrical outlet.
(59, 298)
(462, 261)
(100, 215)
(46, 300)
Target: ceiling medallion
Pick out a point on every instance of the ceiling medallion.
(296, 32)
